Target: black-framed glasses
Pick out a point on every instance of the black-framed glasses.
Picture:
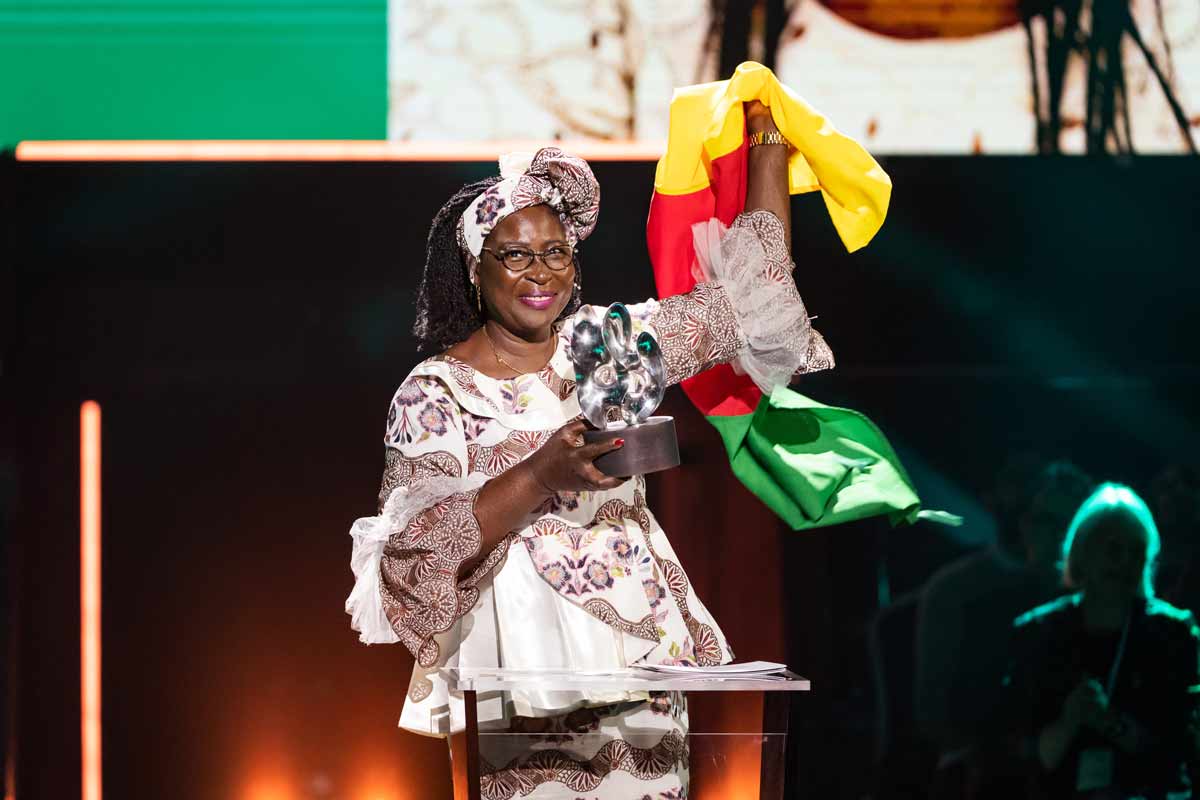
(519, 259)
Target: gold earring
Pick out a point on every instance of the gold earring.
(479, 299)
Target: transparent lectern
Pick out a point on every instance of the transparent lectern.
(712, 753)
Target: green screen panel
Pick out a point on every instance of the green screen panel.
(178, 70)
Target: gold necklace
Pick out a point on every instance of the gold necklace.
(504, 363)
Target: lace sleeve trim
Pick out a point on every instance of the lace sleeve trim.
(773, 237)
(422, 595)
(751, 263)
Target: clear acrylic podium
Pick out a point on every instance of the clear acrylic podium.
(713, 751)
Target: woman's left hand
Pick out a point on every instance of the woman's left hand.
(758, 117)
(564, 463)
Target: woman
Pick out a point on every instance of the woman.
(1103, 676)
(498, 542)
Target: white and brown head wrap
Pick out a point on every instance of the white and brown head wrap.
(560, 180)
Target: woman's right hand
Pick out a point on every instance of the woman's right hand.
(564, 462)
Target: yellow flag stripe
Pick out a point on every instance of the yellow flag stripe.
(707, 122)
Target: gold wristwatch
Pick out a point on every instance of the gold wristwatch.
(768, 137)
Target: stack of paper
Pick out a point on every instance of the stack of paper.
(748, 669)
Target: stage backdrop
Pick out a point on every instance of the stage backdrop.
(244, 326)
(923, 76)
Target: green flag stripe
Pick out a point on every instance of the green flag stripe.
(816, 465)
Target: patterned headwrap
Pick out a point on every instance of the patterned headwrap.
(560, 180)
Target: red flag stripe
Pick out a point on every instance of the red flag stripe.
(719, 391)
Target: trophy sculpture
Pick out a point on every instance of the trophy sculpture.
(620, 382)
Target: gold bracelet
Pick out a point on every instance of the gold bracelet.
(768, 137)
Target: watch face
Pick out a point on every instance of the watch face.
(927, 20)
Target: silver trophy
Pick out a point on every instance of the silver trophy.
(620, 382)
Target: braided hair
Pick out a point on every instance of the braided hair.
(447, 310)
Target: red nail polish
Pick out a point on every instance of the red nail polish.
(618, 442)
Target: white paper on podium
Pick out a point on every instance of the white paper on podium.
(748, 668)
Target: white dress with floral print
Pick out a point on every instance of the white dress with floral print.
(590, 581)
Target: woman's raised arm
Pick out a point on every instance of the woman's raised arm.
(746, 306)
(767, 168)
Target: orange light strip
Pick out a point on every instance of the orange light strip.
(89, 594)
(265, 150)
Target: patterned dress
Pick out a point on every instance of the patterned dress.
(589, 580)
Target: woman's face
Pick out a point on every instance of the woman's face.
(525, 303)
(1114, 558)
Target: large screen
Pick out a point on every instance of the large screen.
(903, 76)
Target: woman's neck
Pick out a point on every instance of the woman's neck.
(517, 344)
(1103, 613)
(519, 353)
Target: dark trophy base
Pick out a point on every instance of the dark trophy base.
(650, 446)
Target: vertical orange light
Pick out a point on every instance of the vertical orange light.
(89, 594)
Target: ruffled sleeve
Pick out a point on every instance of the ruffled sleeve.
(746, 308)
(407, 558)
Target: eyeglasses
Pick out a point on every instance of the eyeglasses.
(519, 259)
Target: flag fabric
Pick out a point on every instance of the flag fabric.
(812, 464)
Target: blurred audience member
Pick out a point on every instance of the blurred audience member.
(966, 612)
(1175, 500)
(1194, 729)
(904, 760)
(1101, 679)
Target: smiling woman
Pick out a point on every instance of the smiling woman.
(498, 542)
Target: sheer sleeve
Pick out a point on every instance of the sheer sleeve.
(407, 558)
(746, 308)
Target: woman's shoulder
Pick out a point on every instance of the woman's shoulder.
(541, 400)
(420, 385)
(422, 408)
(444, 372)
(1057, 612)
(1170, 619)
(1040, 631)
(445, 378)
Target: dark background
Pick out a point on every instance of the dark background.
(244, 325)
